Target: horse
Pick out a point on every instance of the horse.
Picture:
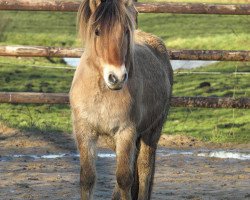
(121, 92)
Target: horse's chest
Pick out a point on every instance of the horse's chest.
(106, 114)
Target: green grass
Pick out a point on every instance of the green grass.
(23, 75)
(225, 84)
(178, 31)
(215, 125)
(202, 1)
(199, 32)
(37, 28)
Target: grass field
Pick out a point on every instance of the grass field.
(178, 31)
(202, 1)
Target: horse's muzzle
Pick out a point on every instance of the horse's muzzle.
(116, 83)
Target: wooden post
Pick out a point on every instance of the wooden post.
(62, 98)
(39, 51)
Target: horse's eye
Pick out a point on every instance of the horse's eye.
(97, 32)
(127, 31)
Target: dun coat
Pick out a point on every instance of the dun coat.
(121, 91)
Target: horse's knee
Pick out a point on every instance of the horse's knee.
(124, 179)
(87, 179)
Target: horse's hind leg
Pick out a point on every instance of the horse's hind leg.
(86, 142)
(146, 164)
(135, 186)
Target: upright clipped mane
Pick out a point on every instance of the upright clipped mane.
(104, 18)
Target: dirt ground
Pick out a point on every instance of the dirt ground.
(178, 176)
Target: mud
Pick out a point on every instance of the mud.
(178, 175)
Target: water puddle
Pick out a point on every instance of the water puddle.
(233, 154)
(106, 155)
(176, 64)
(46, 156)
(229, 154)
(225, 154)
(63, 155)
(52, 156)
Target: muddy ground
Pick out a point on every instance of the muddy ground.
(178, 176)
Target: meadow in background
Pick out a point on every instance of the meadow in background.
(223, 32)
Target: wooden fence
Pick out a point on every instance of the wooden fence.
(63, 98)
(39, 51)
(178, 8)
(181, 8)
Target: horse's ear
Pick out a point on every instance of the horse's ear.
(128, 2)
(84, 14)
(131, 8)
(94, 4)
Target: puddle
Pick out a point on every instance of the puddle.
(106, 155)
(53, 156)
(225, 154)
(46, 156)
(176, 64)
(230, 154)
(168, 152)
(161, 152)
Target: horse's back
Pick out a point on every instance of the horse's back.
(156, 46)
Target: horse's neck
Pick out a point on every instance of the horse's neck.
(91, 77)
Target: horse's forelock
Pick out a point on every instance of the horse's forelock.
(107, 16)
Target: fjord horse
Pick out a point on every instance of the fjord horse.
(121, 91)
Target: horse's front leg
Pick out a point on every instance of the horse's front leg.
(86, 142)
(125, 152)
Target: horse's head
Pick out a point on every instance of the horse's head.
(106, 27)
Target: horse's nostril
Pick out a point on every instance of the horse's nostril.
(125, 77)
(113, 79)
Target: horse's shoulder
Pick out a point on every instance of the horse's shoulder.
(150, 40)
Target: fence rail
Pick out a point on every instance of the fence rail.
(39, 51)
(194, 8)
(180, 8)
(63, 98)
